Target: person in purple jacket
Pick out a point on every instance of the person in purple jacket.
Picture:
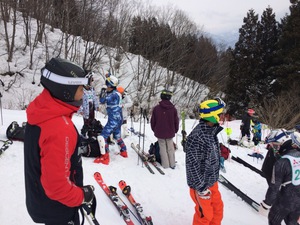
(165, 124)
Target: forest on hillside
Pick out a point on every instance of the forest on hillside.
(261, 71)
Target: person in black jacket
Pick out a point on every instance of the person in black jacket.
(246, 124)
(274, 139)
(282, 200)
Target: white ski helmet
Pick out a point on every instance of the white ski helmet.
(296, 138)
(112, 81)
(278, 136)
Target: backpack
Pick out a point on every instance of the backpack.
(89, 147)
(154, 150)
(94, 129)
(16, 132)
(233, 142)
(224, 151)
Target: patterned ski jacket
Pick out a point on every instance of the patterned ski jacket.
(288, 194)
(53, 170)
(202, 156)
(89, 96)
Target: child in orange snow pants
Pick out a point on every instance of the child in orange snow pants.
(208, 211)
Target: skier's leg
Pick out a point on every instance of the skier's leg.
(107, 130)
(208, 211)
(217, 205)
(171, 152)
(120, 142)
(277, 214)
(163, 153)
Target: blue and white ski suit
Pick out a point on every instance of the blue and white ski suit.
(113, 102)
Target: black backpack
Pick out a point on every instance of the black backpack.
(16, 132)
(94, 130)
(154, 150)
(89, 147)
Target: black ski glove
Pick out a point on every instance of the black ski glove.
(88, 192)
(103, 92)
(90, 208)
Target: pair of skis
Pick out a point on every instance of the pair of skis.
(244, 163)
(5, 145)
(239, 193)
(147, 159)
(121, 206)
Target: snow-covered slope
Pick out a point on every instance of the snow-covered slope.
(164, 197)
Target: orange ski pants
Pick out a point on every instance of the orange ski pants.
(208, 211)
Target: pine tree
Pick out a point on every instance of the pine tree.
(243, 67)
(287, 70)
(267, 40)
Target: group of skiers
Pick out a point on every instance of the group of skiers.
(52, 146)
(55, 192)
(117, 103)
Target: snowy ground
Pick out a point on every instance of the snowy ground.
(164, 197)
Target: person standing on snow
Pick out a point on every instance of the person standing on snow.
(165, 124)
(126, 104)
(282, 200)
(90, 103)
(113, 100)
(246, 124)
(203, 164)
(256, 130)
(52, 162)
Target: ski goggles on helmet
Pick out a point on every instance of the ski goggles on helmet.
(67, 80)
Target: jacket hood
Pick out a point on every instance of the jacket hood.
(44, 107)
(166, 104)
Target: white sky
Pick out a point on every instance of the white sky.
(223, 16)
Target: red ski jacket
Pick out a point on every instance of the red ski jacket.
(53, 169)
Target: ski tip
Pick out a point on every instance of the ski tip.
(97, 174)
(122, 183)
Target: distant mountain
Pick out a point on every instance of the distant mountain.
(227, 39)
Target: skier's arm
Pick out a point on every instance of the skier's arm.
(196, 159)
(277, 180)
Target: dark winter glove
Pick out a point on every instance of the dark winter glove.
(264, 209)
(88, 192)
(103, 91)
(90, 208)
(204, 194)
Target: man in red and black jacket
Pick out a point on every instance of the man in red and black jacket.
(53, 170)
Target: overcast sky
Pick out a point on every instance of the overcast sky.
(223, 16)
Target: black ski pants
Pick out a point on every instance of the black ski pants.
(284, 210)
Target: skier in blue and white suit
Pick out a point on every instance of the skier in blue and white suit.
(113, 100)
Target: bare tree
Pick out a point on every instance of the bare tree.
(9, 15)
(280, 112)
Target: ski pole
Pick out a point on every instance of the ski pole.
(141, 115)
(1, 109)
(88, 211)
(131, 117)
(144, 115)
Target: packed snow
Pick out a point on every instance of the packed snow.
(164, 197)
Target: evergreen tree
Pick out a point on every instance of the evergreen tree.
(287, 70)
(267, 40)
(244, 65)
